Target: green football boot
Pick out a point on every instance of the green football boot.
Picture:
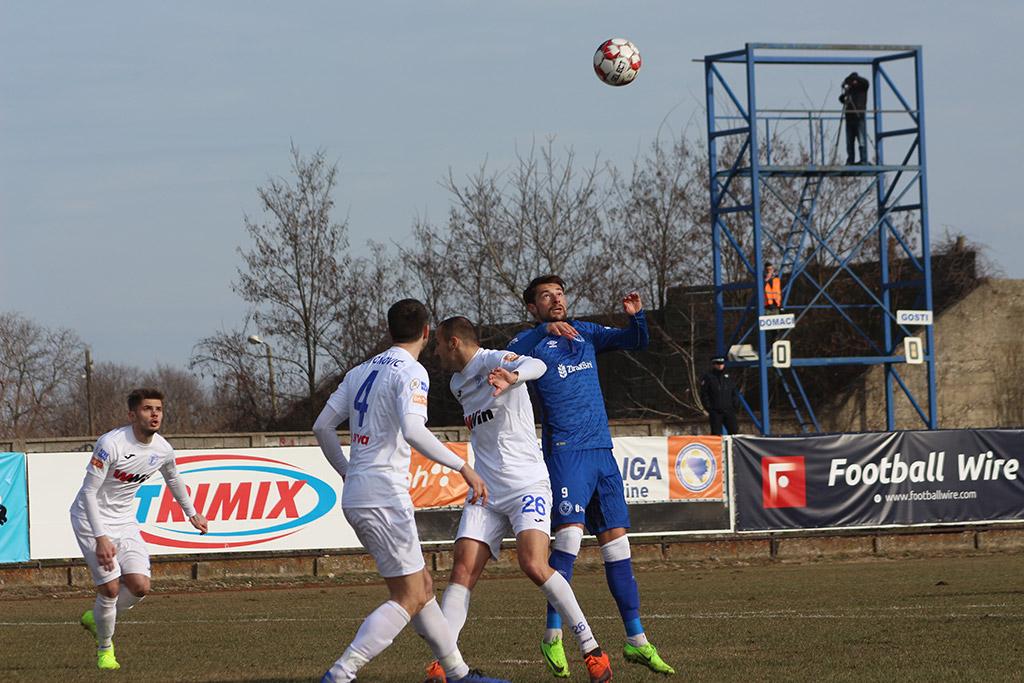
(554, 657)
(88, 622)
(648, 656)
(105, 659)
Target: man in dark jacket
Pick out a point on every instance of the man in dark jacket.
(720, 398)
(855, 103)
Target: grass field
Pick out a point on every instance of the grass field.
(957, 618)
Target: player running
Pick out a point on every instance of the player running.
(491, 387)
(103, 515)
(578, 451)
(385, 401)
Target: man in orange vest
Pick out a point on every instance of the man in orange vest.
(772, 291)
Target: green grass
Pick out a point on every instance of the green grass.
(958, 618)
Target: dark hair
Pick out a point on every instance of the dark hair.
(531, 291)
(458, 326)
(406, 319)
(137, 396)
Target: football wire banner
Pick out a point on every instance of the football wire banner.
(899, 478)
(13, 508)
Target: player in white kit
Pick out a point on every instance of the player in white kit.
(385, 402)
(103, 515)
(491, 386)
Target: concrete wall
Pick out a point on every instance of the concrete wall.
(979, 371)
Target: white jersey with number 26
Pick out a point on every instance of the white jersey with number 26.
(505, 449)
(376, 395)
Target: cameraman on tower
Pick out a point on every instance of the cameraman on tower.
(855, 101)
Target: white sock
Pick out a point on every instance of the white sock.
(374, 635)
(431, 625)
(639, 640)
(126, 600)
(561, 597)
(455, 606)
(105, 614)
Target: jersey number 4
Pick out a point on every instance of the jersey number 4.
(362, 402)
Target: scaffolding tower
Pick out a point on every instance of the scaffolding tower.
(755, 160)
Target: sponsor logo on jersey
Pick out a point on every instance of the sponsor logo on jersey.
(419, 384)
(249, 500)
(104, 456)
(478, 418)
(419, 397)
(129, 478)
(566, 370)
(97, 463)
(511, 357)
(129, 456)
(361, 439)
(552, 343)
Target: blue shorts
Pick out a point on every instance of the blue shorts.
(586, 488)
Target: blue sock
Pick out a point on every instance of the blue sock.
(562, 563)
(622, 584)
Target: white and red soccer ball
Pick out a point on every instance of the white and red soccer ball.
(617, 61)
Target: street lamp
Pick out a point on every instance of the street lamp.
(255, 339)
(88, 387)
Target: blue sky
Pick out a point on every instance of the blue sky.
(133, 135)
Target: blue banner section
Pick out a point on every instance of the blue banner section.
(13, 508)
(898, 478)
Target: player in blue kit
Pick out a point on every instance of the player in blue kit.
(585, 478)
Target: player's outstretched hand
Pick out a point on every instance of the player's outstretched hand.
(501, 379)
(631, 303)
(476, 482)
(105, 552)
(562, 329)
(199, 522)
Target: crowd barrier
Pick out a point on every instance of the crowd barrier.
(282, 499)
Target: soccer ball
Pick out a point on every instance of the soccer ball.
(617, 61)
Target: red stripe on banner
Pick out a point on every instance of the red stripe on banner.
(171, 543)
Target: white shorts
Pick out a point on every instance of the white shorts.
(527, 508)
(390, 536)
(132, 555)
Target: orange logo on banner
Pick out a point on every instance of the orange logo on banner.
(695, 468)
(433, 485)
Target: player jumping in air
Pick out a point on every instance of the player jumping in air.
(491, 387)
(385, 402)
(103, 515)
(578, 452)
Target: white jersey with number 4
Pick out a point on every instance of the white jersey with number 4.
(376, 396)
(505, 449)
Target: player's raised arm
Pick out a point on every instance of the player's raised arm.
(325, 428)
(635, 337)
(513, 370)
(169, 470)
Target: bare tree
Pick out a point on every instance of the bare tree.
(240, 395)
(38, 367)
(293, 270)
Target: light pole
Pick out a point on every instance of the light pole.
(88, 387)
(255, 339)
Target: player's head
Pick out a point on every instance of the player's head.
(408, 321)
(545, 299)
(457, 341)
(146, 410)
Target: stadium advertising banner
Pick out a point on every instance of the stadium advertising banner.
(13, 508)
(900, 478)
(432, 484)
(256, 499)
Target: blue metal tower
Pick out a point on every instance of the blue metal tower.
(855, 265)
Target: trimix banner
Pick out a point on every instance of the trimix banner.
(899, 478)
(13, 508)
